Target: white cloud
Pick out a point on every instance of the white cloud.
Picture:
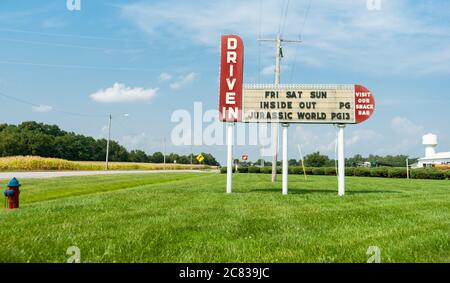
(403, 125)
(134, 140)
(165, 77)
(121, 93)
(104, 132)
(42, 108)
(183, 81)
(270, 70)
(362, 136)
(53, 23)
(399, 38)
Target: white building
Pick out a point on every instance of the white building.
(432, 158)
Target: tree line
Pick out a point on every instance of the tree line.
(32, 138)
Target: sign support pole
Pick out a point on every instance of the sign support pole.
(341, 160)
(407, 168)
(285, 159)
(230, 127)
(107, 142)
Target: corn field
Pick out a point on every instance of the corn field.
(36, 163)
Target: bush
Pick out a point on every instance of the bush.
(419, 173)
(242, 169)
(278, 170)
(436, 175)
(223, 169)
(330, 171)
(397, 173)
(254, 169)
(295, 170)
(266, 170)
(379, 172)
(428, 174)
(309, 170)
(448, 174)
(318, 171)
(349, 171)
(361, 172)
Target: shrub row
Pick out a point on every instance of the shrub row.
(380, 172)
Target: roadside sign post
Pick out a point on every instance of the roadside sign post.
(284, 188)
(200, 158)
(341, 160)
(338, 104)
(407, 168)
(230, 127)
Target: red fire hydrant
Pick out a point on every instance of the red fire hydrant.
(12, 193)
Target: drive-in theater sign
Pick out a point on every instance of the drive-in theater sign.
(285, 104)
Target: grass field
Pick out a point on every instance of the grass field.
(36, 163)
(187, 217)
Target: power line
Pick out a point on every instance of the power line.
(76, 66)
(281, 16)
(53, 109)
(285, 18)
(68, 45)
(70, 35)
(259, 42)
(301, 37)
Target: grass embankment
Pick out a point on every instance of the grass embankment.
(182, 217)
(36, 163)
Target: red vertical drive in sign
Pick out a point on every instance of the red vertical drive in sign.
(364, 104)
(231, 73)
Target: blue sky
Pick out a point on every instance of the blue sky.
(150, 58)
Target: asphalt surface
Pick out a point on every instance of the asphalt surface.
(54, 174)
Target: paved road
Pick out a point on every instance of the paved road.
(53, 174)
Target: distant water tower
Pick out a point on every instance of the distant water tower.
(430, 143)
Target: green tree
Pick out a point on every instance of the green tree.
(316, 160)
(157, 157)
(138, 156)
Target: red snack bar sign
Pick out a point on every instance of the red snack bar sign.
(231, 76)
(364, 104)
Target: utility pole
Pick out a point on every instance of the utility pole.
(192, 167)
(107, 142)
(109, 137)
(164, 152)
(278, 56)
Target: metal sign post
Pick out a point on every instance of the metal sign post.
(230, 126)
(407, 168)
(285, 160)
(341, 161)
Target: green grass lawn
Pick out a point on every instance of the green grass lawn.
(187, 217)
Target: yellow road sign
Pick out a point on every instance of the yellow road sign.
(200, 158)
